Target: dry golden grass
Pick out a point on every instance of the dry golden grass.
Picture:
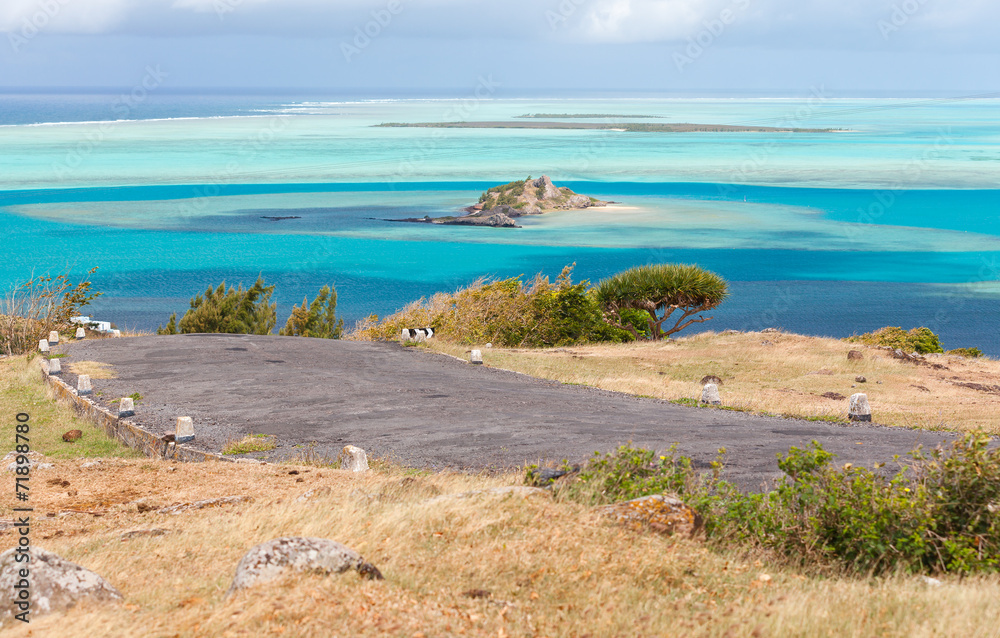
(779, 378)
(250, 443)
(552, 568)
(95, 369)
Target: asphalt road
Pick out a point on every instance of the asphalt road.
(433, 411)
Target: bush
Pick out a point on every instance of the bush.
(506, 312)
(940, 514)
(318, 320)
(661, 288)
(228, 311)
(919, 340)
(37, 307)
(972, 353)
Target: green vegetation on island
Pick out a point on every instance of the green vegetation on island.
(629, 127)
(500, 205)
(590, 116)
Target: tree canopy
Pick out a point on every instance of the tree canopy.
(318, 320)
(660, 290)
(229, 311)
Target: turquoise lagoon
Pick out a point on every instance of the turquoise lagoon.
(895, 220)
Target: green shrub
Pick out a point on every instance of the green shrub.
(318, 320)
(506, 312)
(658, 290)
(919, 340)
(939, 514)
(251, 443)
(230, 311)
(972, 353)
(32, 310)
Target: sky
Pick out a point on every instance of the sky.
(532, 46)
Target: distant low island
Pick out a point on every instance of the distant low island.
(630, 127)
(589, 116)
(499, 206)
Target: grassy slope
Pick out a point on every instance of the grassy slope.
(22, 390)
(777, 379)
(554, 569)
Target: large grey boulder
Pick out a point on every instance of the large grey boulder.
(52, 584)
(271, 560)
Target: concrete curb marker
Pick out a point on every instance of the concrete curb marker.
(126, 431)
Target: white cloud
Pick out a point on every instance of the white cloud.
(766, 23)
(64, 16)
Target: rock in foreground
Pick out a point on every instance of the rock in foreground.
(273, 559)
(662, 513)
(54, 584)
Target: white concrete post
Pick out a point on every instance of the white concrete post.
(54, 338)
(81, 333)
(860, 410)
(83, 385)
(710, 395)
(43, 346)
(353, 459)
(126, 407)
(55, 367)
(476, 357)
(185, 429)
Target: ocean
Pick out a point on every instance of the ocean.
(893, 219)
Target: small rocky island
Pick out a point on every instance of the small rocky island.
(501, 205)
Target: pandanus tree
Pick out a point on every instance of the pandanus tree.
(665, 292)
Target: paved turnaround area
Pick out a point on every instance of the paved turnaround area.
(430, 410)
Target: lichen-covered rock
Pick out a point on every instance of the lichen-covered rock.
(660, 512)
(353, 459)
(35, 461)
(271, 560)
(199, 505)
(55, 584)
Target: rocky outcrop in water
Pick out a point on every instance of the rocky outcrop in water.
(500, 206)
